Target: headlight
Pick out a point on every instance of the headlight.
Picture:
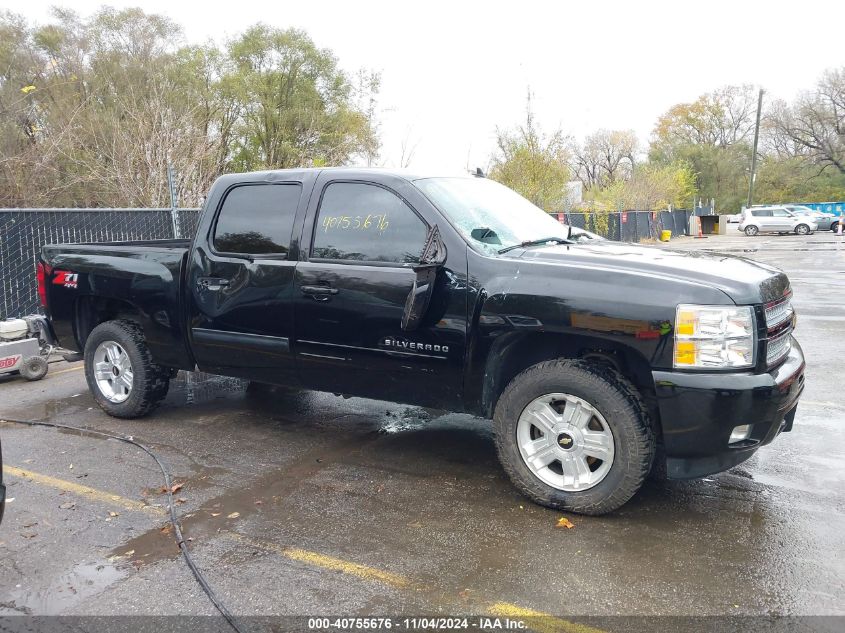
(710, 337)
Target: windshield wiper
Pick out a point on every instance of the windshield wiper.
(537, 242)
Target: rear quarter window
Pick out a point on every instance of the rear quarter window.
(257, 219)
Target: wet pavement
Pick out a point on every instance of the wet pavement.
(308, 503)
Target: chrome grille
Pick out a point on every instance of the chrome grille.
(778, 313)
(779, 320)
(778, 347)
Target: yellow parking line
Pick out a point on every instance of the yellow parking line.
(64, 371)
(82, 491)
(326, 562)
(539, 621)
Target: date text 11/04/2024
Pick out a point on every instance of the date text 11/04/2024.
(483, 623)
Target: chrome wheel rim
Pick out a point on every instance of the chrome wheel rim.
(113, 371)
(803, 230)
(565, 442)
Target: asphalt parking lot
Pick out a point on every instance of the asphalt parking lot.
(307, 503)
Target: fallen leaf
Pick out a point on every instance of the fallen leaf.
(113, 514)
(181, 500)
(258, 503)
(167, 529)
(129, 553)
(564, 523)
(28, 534)
(67, 505)
(176, 488)
(215, 514)
(234, 515)
(29, 525)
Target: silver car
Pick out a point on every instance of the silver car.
(825, 221)
(775, 219)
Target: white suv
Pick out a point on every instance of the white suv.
(775, 220)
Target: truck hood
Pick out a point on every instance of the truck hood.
(743, 280)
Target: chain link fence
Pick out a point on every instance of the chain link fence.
(630, 226)
(24, 231)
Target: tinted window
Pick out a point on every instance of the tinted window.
(367, 223)
(761, 214)
(781, 213)
(257, 219)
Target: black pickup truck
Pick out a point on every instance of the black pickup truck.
(596, 360)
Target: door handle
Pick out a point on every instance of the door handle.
(318, 293)
(212, 283)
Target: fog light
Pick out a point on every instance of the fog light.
(740, 433)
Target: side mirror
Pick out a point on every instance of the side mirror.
(433, 256)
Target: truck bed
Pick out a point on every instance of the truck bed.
(142, 276)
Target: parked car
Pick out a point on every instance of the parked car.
(825, 221)
(734, 218)
(455, 293)
(775, 219)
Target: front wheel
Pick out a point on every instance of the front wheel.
(802, 229)
(751, 230)
(574, 436)
(120, 372)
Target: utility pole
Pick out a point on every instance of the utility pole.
(754, 151)
(171, 185)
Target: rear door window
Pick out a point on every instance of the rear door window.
(257, 219)
(365, 222)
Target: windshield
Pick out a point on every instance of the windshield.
(489, 214)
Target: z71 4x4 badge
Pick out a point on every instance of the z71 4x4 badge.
(66, 279)
(412, 346)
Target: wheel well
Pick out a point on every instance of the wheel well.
(510, 357)
(91, 311)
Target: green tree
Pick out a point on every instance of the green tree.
(298, 108)
(532, 163)
(713, 135)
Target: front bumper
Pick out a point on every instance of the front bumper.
(699, 411)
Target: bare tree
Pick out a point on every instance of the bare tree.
(815, 124)
(605, 156)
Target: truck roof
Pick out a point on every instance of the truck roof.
(286, 174)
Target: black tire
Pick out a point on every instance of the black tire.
(150, 382)
(802, 229)
(751, 230)
(623, 410)
(834, 227)
(34, 368)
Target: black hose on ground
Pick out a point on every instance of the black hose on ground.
(177, 530)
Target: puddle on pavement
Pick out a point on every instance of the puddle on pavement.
(83, 581)
(197, 387)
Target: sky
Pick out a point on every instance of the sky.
(452, 72)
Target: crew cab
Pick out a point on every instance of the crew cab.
(596, 361)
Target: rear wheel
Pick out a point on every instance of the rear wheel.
(802, 229)
(120, 372)
(574, 436)
(34, 368)
(751, 230)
